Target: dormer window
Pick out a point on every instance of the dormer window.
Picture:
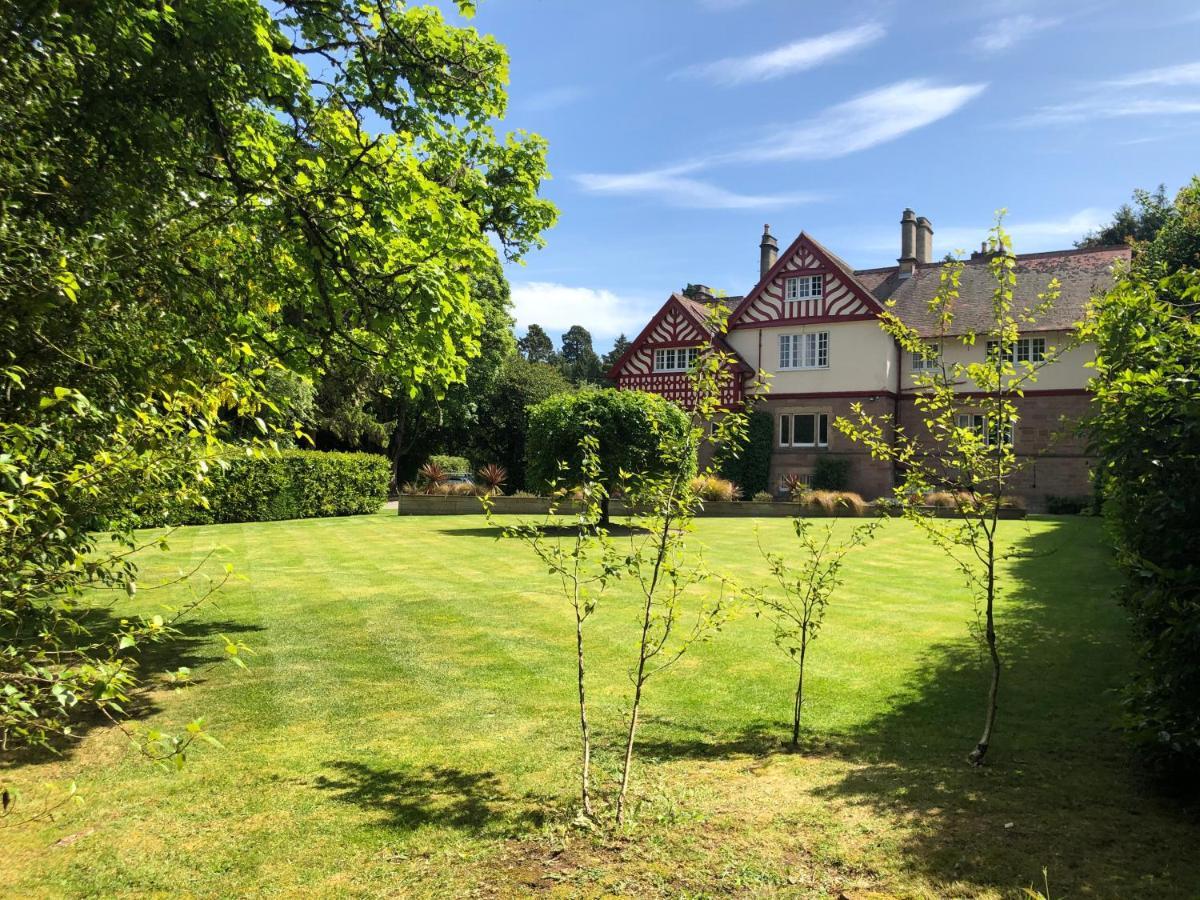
(803, 287)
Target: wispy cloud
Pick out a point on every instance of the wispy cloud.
(797, 56)
(1184, 75)
(673, 185)
(552, 98)
(866, 121)
(1005, 33)
(556, 307)
(1148, 93)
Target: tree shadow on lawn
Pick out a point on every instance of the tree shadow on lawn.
(434, 795)
(1059, 790)
(194, 647)
(616, 530)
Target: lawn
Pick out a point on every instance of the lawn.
(407, 727)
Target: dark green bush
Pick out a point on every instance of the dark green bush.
(832, 473)
(1067, 506)
(293, 484)
(452, 465)
(751, 468)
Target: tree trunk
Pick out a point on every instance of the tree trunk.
(585, 770)
(799, 702)
(604, 511)
(975, 757)
(633, 723)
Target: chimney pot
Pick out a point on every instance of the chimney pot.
(924, 240)
(908, 243)
(768, 251)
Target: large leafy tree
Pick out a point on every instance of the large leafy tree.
(501, 432)
(1146, 431)
(1139, 221)
(578, 359)
(536, 345)
(192, 197)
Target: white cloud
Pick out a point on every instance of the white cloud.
(672, 185)
(556, 307)
(797, 56)
(1183, 75)
(870, 119)
(1148, 93)
(1108, 107)
(1004, 33)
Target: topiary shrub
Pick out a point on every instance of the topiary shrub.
(292, 484)
(630, 427)
(832, 473)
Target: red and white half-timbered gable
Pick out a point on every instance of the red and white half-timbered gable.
(659, 359)
(806, 285)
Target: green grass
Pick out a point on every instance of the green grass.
(408, 728)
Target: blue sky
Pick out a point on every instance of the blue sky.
(677, 128)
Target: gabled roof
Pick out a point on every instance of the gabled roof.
(1082, 274)
(698, 313)
(822, 253)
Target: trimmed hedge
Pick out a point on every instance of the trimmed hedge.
(832, 473)
(452, 465)
(751, 468)
(293, 484)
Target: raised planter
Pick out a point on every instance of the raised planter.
(424, 505)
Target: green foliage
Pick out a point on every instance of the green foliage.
(797, 611)
(453, 465)
(750, 466)
(195, 200)
(1146, 430)
(613, 356)
(536, 346)
(292, 484)
(1130, 225)
(977, 465)
(764, 497)
(1176, 244)
(831, 473)
(579, 361)
(500, 435)
(630, 426)
(1057, 505)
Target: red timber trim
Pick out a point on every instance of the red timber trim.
(781, 263)
(1047, 392)
(796, 273)
(832, 395)
(636, 343)
(817, 320)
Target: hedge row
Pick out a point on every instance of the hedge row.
(293, 484)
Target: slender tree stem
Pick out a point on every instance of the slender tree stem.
(585, 772)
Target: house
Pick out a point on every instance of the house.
(811, 323)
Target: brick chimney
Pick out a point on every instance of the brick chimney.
(768, 251)
(924, 240)
(908, 243)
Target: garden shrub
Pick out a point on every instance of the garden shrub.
(764, 497)
(451, 465)
(292, 484)
(832, 473)
(1067, 506)
(751, 468)
(832, 503)
(710, 487)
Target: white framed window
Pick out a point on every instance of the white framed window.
(928, 360)
(803, 287)
(804, 430)
(804, 351)
(675, 359)
(1031, 350)
(977, 423)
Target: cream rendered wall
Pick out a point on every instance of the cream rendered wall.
(861, 358)
(1067, 372)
